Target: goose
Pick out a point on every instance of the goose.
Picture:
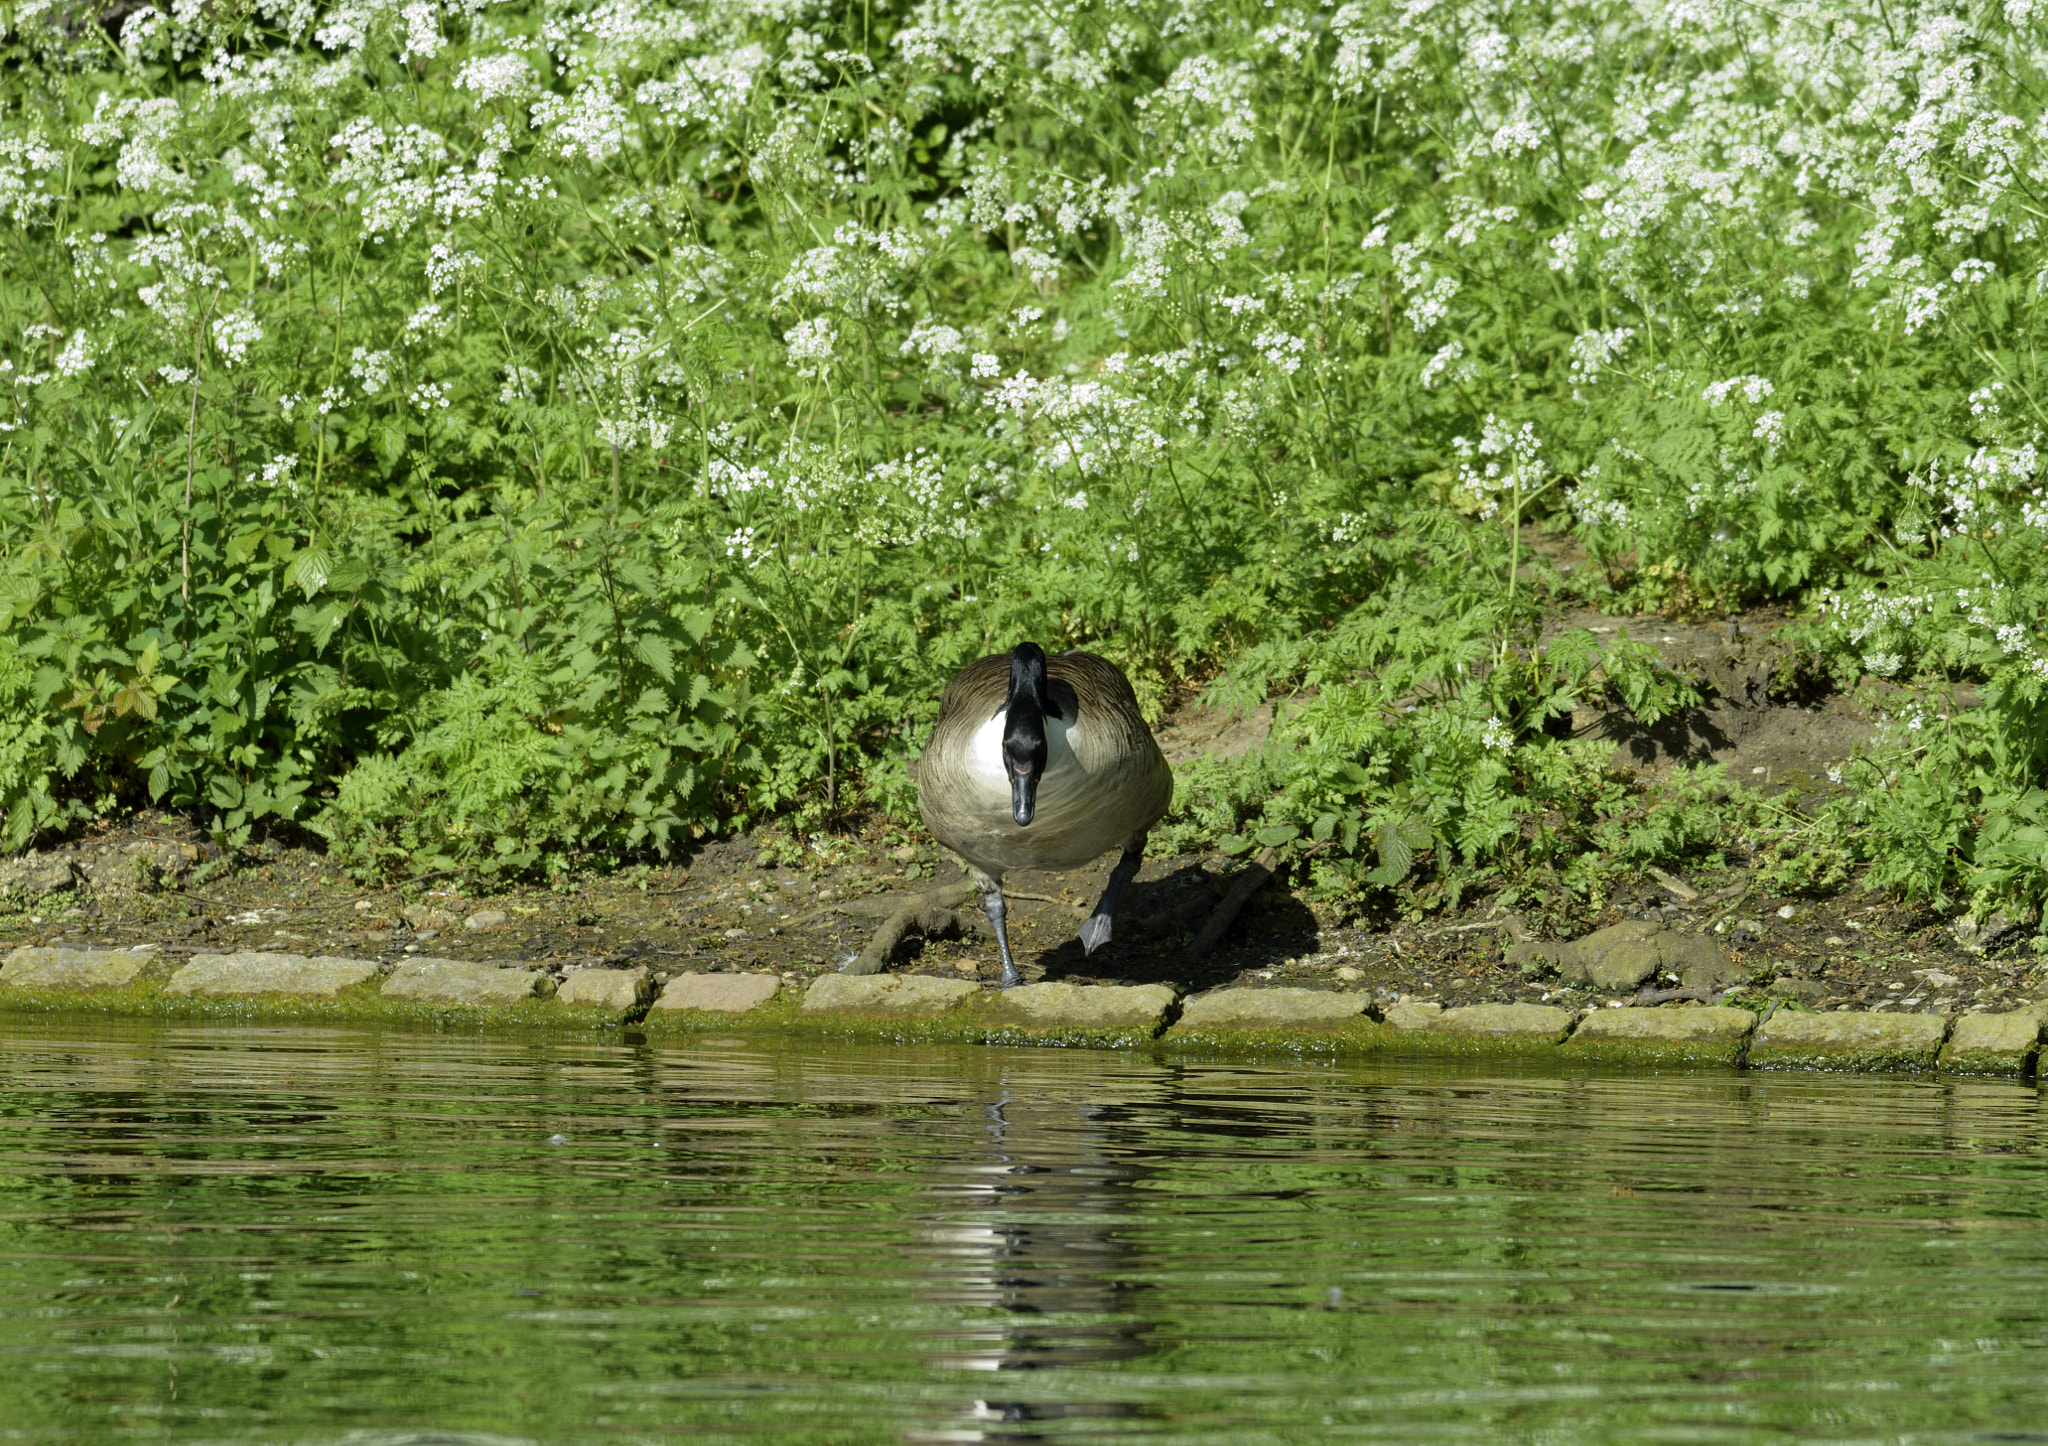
(1042, 763)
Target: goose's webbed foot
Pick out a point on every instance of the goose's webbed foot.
(1095, 929)
(992, 905)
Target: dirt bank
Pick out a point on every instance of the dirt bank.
(732, 906)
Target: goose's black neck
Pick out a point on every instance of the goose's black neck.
(1024, 745)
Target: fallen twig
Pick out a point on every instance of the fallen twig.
(1727, 913)
(882, 906)
(1080, 909)
(1247, 882)
(1685, 892)
(1647, 997)
(1490, 922)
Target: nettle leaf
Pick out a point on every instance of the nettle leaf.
(1397, 841)
(653, 650)
(309, 570)
(244, 545)
(640, 577)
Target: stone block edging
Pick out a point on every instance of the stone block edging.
(718, 993)
(64, 970)
(2006, 1044)
(1792, 1040)
(1713, 1035)
(1115, 1015)
(619, 991)
(904, 1007)
(248, 972)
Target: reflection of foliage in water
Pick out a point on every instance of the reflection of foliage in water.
(370, 1233)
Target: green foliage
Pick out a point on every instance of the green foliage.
(499, 436)
(28, 752)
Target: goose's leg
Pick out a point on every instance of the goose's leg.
(992, 905)
(1095, 928)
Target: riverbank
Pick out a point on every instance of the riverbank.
(444, 993)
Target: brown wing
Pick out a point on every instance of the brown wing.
(1138, 784)
(1108, 708)
(976, 692)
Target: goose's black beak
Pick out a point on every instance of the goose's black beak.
(1023, 795)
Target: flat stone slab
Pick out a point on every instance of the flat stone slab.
(427, 980)
(1848, 1041)
(1993, 1043)
(1713, 1034)
(1416, 1014)
(887, 996)
(30, 967)
(1304, 1009)
(719, 993)
(1074, 1006)
(1531, 1022)
(614, 989)
(209, 976)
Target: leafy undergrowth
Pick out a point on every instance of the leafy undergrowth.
(511, 438)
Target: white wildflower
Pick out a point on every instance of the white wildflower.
(371, 368)
(233, 335)
(811, 346)
(76, 358)
(1505, 459)
(1594, 351)
(1753, 388)
(1445, 358)
(495, 77)
(280, 470)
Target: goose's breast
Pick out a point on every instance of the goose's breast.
(985, 760)
(1081, 812)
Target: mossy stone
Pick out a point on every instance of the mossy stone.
(1993, 1044)
(889, 996)
(253, 972)
(1793, 1040)
(44, 968)
(1663, 1036)
(1314, 1010)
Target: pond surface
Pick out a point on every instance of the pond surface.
(307, 1236)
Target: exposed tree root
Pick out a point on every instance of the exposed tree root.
(928, 921)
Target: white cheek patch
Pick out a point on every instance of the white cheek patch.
(1059, 746)
(985, 752)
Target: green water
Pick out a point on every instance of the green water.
(305, 1236)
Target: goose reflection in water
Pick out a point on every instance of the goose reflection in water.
(1030, 1230)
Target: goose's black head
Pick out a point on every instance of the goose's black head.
(1024, 747)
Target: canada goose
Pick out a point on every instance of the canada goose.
(1042, 763)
